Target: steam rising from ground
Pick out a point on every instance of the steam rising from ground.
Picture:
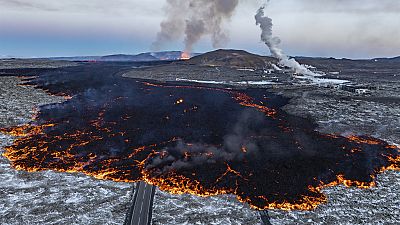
(272, 42)
(236, 146)
(195, 19)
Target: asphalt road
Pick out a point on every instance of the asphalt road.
(142, 205)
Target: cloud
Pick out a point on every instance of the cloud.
(340, 28)
(24, 5)
(342, 6)
(78, 6)
(351, 28)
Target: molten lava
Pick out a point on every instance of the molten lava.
(185, 55)
(213, 141)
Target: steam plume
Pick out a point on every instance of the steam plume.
(184, 155)
(272, 42)
(195, 19)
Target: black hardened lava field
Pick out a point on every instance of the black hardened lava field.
(202, 140)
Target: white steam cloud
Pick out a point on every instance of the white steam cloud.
(272, 42)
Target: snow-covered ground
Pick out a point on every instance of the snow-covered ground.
(187, 209)
(262, 82)
(329, 81)
(201, 81)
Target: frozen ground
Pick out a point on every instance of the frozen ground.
(187, 209)
(262, 82)
(346, 114)
(49, 197)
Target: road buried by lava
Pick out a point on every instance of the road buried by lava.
(200, 140)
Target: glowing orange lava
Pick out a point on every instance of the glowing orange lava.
(38, 148)
(185, 55)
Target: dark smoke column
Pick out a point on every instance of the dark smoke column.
(194, 19)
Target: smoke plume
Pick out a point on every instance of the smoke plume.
(272, 42)
(195, 19)
(236, 146)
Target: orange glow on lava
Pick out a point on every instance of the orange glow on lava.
(26, 146)
(185, 55)
(179, 101)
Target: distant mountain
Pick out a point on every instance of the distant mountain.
(77, 58)
(171, 55)
(143, 57)
(6, 57)
(232, 58)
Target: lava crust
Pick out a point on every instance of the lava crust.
(191, 139)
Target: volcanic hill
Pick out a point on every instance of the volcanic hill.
(232, 58)
(219, 65)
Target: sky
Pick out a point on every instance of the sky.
(326, 28)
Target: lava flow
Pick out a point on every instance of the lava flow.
(192, 139)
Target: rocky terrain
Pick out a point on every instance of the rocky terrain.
(33, 63)
(50, 197)
(232, 58)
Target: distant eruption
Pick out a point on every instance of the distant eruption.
(194, 19)
(185, 55)
(272, 42)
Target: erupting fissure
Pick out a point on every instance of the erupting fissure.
(185, 56)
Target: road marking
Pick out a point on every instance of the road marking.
(141, 206)
(141, 216)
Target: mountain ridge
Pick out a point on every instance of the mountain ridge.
(232, 58)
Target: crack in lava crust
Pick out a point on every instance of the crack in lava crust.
(193, 139)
